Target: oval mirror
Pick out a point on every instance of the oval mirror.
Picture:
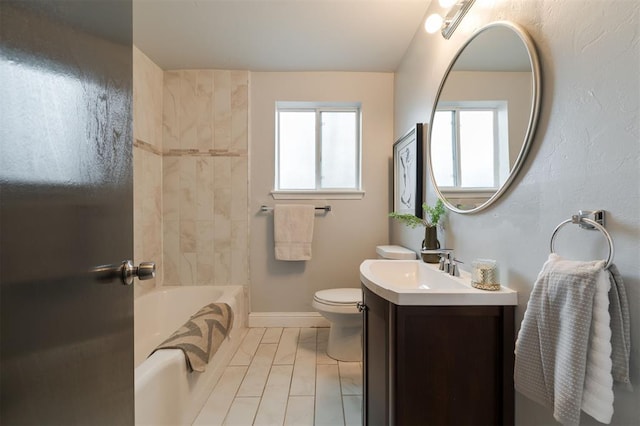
(484, 118)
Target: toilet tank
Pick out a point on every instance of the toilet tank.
(395, 252)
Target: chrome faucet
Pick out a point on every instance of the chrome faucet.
(445, 260)
(453, 267)
(445, 257)
(448, 264)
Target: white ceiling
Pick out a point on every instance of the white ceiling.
(495, 49)
(277, 35)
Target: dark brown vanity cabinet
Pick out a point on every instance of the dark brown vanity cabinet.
(437, 365)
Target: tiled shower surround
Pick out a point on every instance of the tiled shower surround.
(205, 190)
(190, 174)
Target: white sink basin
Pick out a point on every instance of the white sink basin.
(413, 282)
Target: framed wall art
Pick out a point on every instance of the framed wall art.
(408, 172)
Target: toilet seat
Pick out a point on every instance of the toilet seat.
(339, 296)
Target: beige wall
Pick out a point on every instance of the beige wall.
(147, 166)
(205, 186)
(197, 225)
(349, 233)
(496, 86)
(585, 154)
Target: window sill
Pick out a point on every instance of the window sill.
(468, 193)
(317, 195)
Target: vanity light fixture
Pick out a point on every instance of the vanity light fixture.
(450, 22)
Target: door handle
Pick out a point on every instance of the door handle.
(125, 272)
(144, 271)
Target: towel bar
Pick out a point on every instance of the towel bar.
(586, 223)
(264, 208)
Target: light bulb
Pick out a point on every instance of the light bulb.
(433, 23)
(447, 3)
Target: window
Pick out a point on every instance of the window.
(466, 143)
(317, 147)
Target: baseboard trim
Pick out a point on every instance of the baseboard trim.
(287, 319)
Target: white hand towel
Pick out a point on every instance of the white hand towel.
(293, 231)
(597, 395)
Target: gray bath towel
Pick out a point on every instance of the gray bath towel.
(553, 342)
(620, 328)
(201, 336)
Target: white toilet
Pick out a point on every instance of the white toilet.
(395, 253)
(339, 307)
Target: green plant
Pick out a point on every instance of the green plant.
(433, 216)
(435, 213)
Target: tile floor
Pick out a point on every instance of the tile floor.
(283, 376)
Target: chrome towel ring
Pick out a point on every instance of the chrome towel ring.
(587, 223)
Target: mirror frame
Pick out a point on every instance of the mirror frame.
(533, 117)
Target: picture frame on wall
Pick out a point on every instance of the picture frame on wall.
(408, 171)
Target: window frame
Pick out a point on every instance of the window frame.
(455, 107)
(318, 192)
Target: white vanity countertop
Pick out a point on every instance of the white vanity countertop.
(413, 282)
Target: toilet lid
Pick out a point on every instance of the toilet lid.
(339, 296)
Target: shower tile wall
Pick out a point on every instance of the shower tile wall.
(147, 166)
(205, 177)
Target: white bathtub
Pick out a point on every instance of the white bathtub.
(165, 392)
